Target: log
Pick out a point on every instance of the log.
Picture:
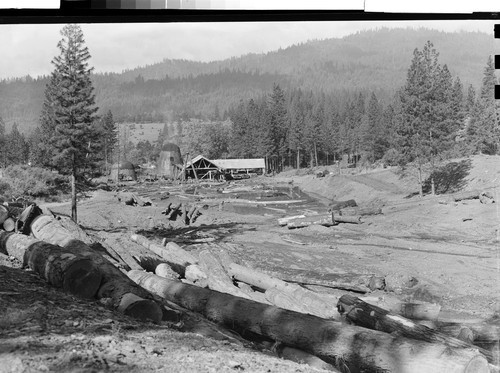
(348, 219)
(115, 285)
(302, 357)
(58, 266)
(361, 283)
(4, 213)
(174, 209)
(218, 279)
(26, 217)
(196, 275)
(360, 211)
(357, 349)
(194, 215)
(171, 253)
(164, 270)
(184, 214)
(306, 300)
(9, 225)
(191, 211)
(465, 195)
(373, 317)
(338, 205)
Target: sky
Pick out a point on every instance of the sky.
(29, 49)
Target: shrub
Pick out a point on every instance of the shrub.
(33, 182)
(391, 157)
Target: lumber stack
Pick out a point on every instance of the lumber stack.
(346, 346)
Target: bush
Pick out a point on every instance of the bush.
(33, 182)
(391, 157)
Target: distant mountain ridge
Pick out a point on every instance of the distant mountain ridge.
(374, 60)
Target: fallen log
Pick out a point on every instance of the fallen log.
(303, 357)
(9, 225)
(196, 275)
(115, 285)
(58, 266)
(337, 205)
(323, 219)
(361, 283)
(373, 317)
(218, 279)
(355, 348)
(171, 253)
(347, 219)
(23, 224)
(308, 301)
(360, 211)
(164, 270)
(465, 195)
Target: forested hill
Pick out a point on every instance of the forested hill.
(366, 61)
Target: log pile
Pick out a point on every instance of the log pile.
(346, 346)
(18, 217)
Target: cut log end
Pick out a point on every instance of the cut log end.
(477, 364)
(82, 278)
(139, 308)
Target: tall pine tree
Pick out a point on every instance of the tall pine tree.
(69, 108)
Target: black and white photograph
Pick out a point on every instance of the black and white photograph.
(250, 196)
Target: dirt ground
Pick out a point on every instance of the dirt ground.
(449, 251)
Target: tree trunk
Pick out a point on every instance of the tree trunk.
(73, 193)
(298, 158)
(311, 220)
(9, 225)
(373, 317)
(58, 266)
(115, 285)
(420, 180)
(357, 349)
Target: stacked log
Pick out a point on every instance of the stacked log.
(115, 288)
(60, 267)
(352, 347)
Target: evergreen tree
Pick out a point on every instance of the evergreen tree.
(3, 150)
(69, 107)
(278, 124)
(16, 147)
(482, 132)
(424, 127)
(470, 100)
(109, 137)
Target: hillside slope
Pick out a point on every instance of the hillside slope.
(367, 61)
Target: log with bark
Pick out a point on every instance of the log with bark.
(60, 267)
(23, 224)
(338, 205)
(373, 317)
(172, 253)
(346, 346)
(360, 211)
(115, 286)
